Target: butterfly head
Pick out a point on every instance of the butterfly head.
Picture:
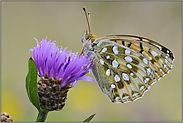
(87, 37)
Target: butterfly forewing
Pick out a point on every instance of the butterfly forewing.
(160, 57)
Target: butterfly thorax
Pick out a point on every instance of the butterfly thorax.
(87, 40)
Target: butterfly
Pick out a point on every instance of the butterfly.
(125, 66)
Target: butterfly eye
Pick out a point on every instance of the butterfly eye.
(83, 40)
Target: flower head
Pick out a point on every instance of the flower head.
(60, 63)
(59, 70)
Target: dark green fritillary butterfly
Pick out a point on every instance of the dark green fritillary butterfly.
(126, 66)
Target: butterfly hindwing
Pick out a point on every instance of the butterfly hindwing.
(122, 73)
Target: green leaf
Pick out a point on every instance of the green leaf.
(89, 118)
(31, 84)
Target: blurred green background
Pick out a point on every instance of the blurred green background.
(65, 23)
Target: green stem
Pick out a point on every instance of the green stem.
(42, 116)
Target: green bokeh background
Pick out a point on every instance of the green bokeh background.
(65, 23)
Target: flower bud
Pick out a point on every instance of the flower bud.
(5, 117)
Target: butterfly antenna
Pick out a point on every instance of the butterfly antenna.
(87, 19)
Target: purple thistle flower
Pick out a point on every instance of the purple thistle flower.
(60, 63)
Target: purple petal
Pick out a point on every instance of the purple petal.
(87, 78)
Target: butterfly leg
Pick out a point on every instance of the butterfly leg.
(88, 63)
(81, 52)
